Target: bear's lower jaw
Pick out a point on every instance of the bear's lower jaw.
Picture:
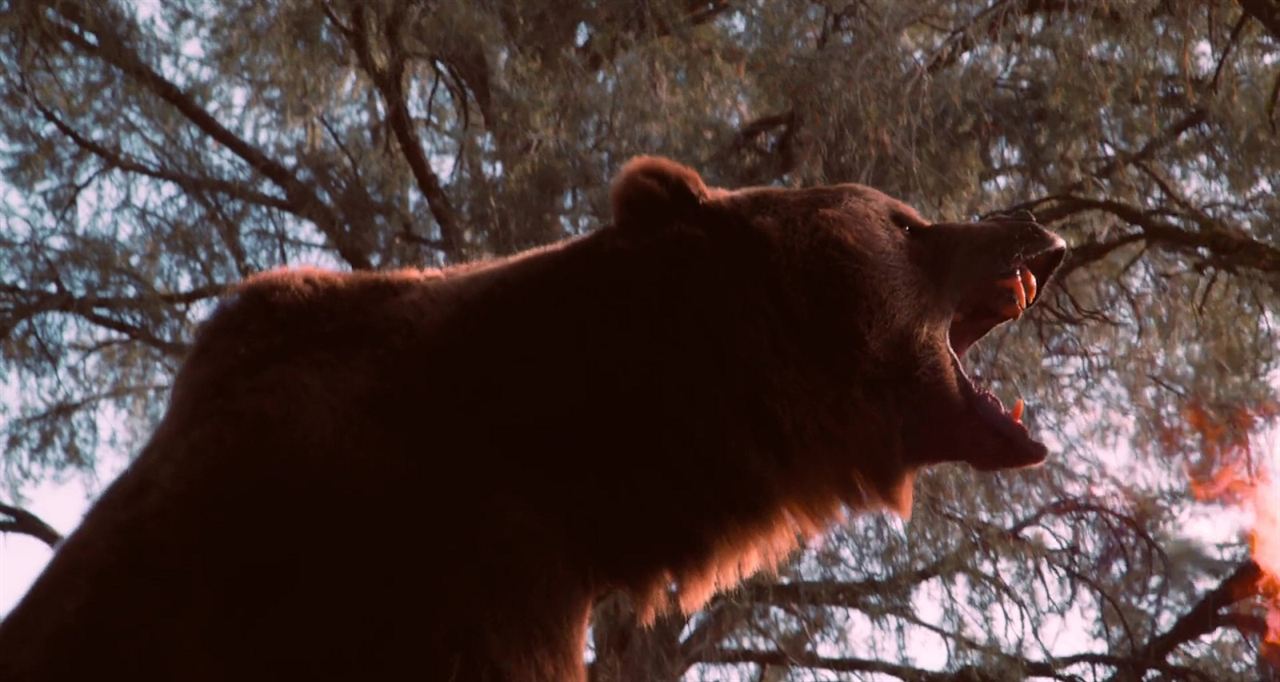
(999, 438)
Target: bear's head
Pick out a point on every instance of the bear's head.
(880, 298)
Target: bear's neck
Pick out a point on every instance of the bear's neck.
(679, 424)
(672, 420)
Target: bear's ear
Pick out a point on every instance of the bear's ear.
(651, 189)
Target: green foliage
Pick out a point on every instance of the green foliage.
(154, 154)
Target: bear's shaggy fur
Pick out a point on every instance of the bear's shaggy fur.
(432, 475)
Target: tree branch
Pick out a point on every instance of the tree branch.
(993, 19)
(28, 304)
(1190, 120)
(389, 80)
(697, 13)
(718, 620)
(1226, 51)
(1226, 247)
(118, 160)
(113, 49)
(844, 665)
(1202, 619)
(1093, 251)
(24, 522)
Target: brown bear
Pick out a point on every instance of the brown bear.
(433, 474)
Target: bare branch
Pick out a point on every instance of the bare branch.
(113, 49)
(389, 80)
(24, 522)
(27, 304)
(844, 665)
(1223, 245)
(1091, 252)
(1190, 120)
(998, 16)
(117, 160)
(1202, 619)
(697, 12)
(1226, 51)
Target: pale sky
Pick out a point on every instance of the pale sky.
(61, 505)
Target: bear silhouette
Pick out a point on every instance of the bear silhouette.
(433, 474)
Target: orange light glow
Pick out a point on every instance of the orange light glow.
(1264, 542)
(1231, 484)
(1257, 492)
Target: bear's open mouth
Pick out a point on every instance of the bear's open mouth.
(1002, 299)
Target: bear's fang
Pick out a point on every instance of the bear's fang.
(1023, 285)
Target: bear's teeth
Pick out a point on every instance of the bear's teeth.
(1015, 284)
(1020, 290)
(1016, 412)
(1029, 284)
